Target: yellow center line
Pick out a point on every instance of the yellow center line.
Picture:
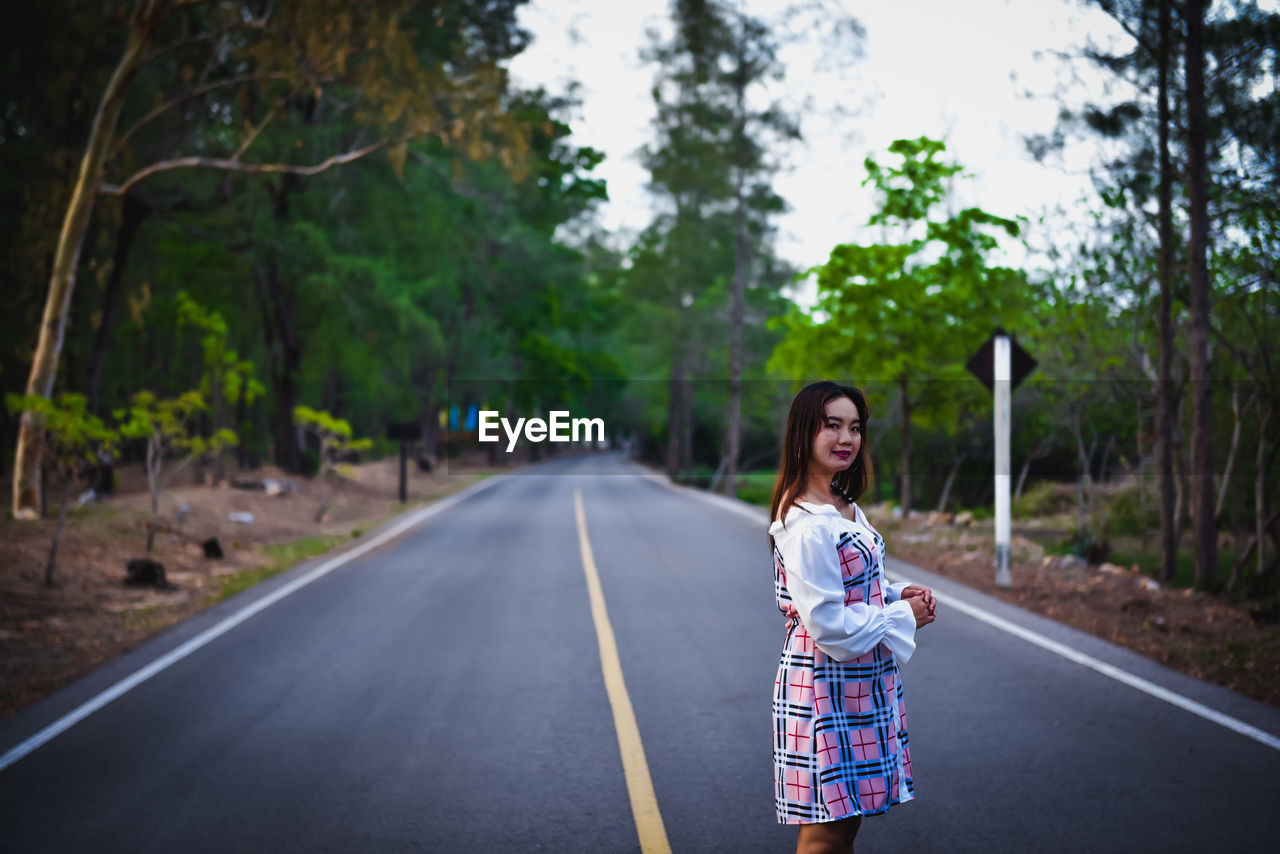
(644, 803)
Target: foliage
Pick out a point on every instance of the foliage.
(334, 434)
(909, 313)
(165, 425)
(1045, 498)
(73, 438)
(74, 441)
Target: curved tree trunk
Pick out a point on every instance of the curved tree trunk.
(44, 363)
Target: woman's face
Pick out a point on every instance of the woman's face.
(839, 437)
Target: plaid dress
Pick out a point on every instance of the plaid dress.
(840, 744)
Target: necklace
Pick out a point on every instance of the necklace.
(836, 492)
(840, 491)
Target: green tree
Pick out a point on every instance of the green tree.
(262, 69)
(227, 380)
(335, 436)
(165, 425)
(75, 442)
(703, 270)
(911, 311)
(1199, 162)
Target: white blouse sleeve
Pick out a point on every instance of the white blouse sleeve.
(815, 585)
(893, 592)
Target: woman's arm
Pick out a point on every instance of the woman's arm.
(817, 589)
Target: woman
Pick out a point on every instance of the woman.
(839, 724)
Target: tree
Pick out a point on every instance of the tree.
(910, 311)
(165, 426)
(74, 442)
(1205, 535)
(335, 437)
(227, 380)
(263, 67)
(708, 248)
(1209, 134)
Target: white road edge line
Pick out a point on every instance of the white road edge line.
(1116, 673)
(1067, 652)
(175, 655)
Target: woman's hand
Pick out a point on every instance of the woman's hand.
(925, 592)
(924, 616)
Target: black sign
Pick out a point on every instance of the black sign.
(404, 431)
(982, 363)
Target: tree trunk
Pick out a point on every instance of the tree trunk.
(286, 357)
(906, 446)
(283, 341)
(242, 406)
(1231, 454)
(674, 401)
(1106, 458)
(1260, 490)
(951, 478)
(153, 483)
(57, 532)
(44, 362)
(739, 282)
(1164, 390)
(1084, 487)
(133, 212)
(686, 413)
(1205, 540)
(1043, 447)
(1022, 477)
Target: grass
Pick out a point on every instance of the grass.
(1184, 564)
(148, 619)
(283, 556)
(756, 487)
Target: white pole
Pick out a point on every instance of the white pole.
(1003, 391)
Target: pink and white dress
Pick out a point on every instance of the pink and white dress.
(839, 722)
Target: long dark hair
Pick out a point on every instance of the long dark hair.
(808, 413)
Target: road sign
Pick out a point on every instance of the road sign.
(1001, 364)
(982, 363)
(404, 431)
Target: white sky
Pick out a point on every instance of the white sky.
(954, 69)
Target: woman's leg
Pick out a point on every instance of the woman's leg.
(828, 837)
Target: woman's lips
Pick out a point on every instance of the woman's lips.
(844, 455)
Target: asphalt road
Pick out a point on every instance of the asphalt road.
(444, 693)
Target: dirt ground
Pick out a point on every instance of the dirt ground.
(50, 636)
(1195, 633)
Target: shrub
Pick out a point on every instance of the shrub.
(309, 460)
(1045, 498)
(756, 487)
(1125, 516)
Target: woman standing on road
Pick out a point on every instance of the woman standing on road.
(839, 723)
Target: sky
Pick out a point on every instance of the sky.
(980, 74)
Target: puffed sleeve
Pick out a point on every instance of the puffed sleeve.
(814, 582)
